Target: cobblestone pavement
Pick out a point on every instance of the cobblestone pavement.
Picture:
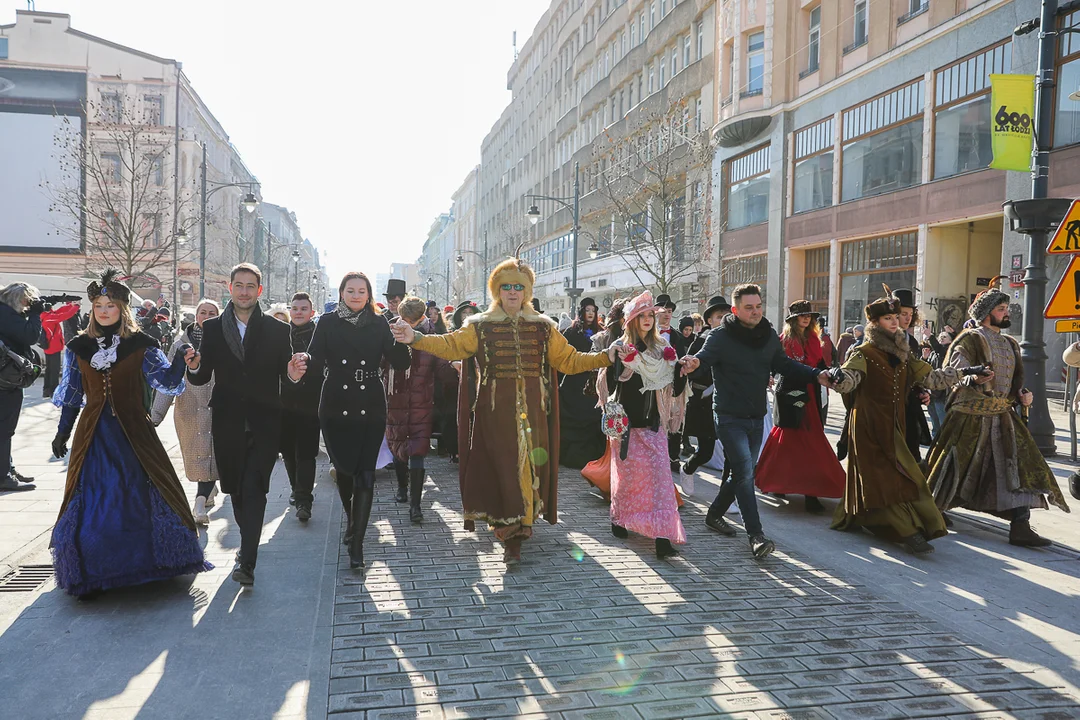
(589, 626)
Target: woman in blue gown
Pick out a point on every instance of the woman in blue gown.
(125, 519)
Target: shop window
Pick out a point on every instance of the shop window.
(882, 149)
(742, 270)
(814, 167)
(866, 264)
(816, 279)
(1067, 112)
(962, 115)
(748, 189)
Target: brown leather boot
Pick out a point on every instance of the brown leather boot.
(512, 551)
(1020, 533)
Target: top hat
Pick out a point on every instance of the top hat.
(664, 300)
(395, 288)
(801, 307)
(716, 302)
(906, 297)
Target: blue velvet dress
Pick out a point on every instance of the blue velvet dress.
(117, 528)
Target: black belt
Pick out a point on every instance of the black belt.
(362, 375)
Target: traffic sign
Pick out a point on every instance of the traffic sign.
(1067, 236)
(1067, 326)
(1065, 302)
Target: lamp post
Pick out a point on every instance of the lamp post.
(181, 238)
(249, 203)
(295, 271)
(573, 204)
(1035, 218)
(483, 258)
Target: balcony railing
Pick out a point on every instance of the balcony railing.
(751, 93)
(912, 14)
(808, 71)
(855, 45)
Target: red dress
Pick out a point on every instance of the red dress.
(800, 460)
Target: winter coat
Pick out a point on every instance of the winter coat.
(410, 400)
(52, 322)
(302, 398)
(699, 407)
(352, 407)
(19, 331)
(192, 418)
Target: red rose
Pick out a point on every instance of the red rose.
(669, 354)
(631, 355)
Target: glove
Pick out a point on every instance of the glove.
(37, 307)
(59, 445)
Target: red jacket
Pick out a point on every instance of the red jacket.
(410, 401)
(51, 322)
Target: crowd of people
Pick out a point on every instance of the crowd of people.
(510, 394)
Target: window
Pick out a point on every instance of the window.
(151, 231)
(816, 279)
(1067, 113)
(633, 34)
(3, 48)
(748, 269)
(686, 51)
(860, 24)
(641, 33)
(112, 107)
(882, 148)
(663, 8)
(755, 64)
(814, 42)
(662, 65)
(700, 39)
(652, 71)
(866, 264)
(915, 8)
(154, 109)
(652, 16)
(157, 172)
(748, 188)
(110, 167)
(674, 61)
(814, 167)
(699, 123)
(962, 115)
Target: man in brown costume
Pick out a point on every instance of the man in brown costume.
(984, 458)
(509, 438)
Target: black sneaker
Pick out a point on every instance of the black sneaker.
(675, 466)
(244, 574)
(721, 525)
(761, 546)
(303, 511)
(9, 484)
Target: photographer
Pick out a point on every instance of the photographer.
(20, 328)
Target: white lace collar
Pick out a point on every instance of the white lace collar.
(106, 355)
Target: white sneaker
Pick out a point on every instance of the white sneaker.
(333, 473)
(687, 482)
(210, 502)
(201, 518)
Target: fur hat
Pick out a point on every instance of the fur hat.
(108, 286)
(888, 305)
(638, 305)
(800, 308)
(987, 300)
(512, 271)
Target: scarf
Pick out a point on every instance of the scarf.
(231, 330)
(194, 334)
(756, 337)
(107, 344)
(301, 336)
(358, 318)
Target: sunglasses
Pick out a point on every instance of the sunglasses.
(513, 286)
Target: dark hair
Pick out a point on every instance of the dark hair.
(745, 289)
(246, 267)
(357, 275)
(302, 296)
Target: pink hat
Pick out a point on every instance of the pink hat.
(638, 305)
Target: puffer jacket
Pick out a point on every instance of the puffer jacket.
(410, 400)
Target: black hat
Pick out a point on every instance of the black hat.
(664, 300)
(586, 302)
(536, 305)
(801, 307)
(462, 307)
(716, 302)
(432, 304)
(395, 288)
(686, 322)
(108, 286)
(906, 297)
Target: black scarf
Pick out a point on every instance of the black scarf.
(194, 333)
(231, 330)
(755, 337)
(301, 336)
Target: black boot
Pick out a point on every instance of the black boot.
(416, 491)
(664, 549)
(363, 495)
(345, 490)
(619, 531)
(402, 471)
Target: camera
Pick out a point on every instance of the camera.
(981, 370)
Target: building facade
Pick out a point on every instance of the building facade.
(473, 261)
(437, 262)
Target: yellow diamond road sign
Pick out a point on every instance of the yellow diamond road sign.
(1067, 237)
(1065, 302)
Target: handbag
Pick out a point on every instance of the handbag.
(16, 372)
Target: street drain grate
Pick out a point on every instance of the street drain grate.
(26, 578)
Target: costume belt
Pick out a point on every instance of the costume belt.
(362, 375)
(983, 405)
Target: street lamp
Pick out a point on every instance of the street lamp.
(483, 257)
(295, 271)
(248, 203)
(593, 250)
(573, 204)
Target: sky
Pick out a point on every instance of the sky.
(362, 117)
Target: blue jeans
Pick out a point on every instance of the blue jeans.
(741, 438)
(937, 415)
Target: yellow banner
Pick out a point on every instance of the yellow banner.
(1012, 109)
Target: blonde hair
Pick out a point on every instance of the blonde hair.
(207, 301)
(128, 326)
(412, 309)
(632, 337)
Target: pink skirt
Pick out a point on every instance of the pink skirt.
(642, 491)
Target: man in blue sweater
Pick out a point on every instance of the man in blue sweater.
(742, 353)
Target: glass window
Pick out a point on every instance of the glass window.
(813, 182)
(816, 279)
(652, 16)
(641, 35)
(110, 167)
(866, 264)
(154, 106)
(755, 64)
(700, 39)
(652, 73)
(860, 23)
(962, 138)
(1067, 116)
(738, 271)
(633, 34)
(814, 42)
(674, 61)
(662, 65)
(686, 51)
(856, 291)
(881, 163)
(748, 202)
(112, 107)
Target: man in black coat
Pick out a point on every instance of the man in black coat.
(300, 417)
(918, 430)
(248, 356)
(664, 309)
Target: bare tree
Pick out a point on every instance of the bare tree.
(653, 181)
(117, 184)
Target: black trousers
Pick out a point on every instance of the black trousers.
(10, 409)
(52, 374)
(674, 445)
(249, 504)
(299, 448)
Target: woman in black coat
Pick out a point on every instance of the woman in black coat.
(349, 345)
(581, 440)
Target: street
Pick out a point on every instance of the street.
(833, 625)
